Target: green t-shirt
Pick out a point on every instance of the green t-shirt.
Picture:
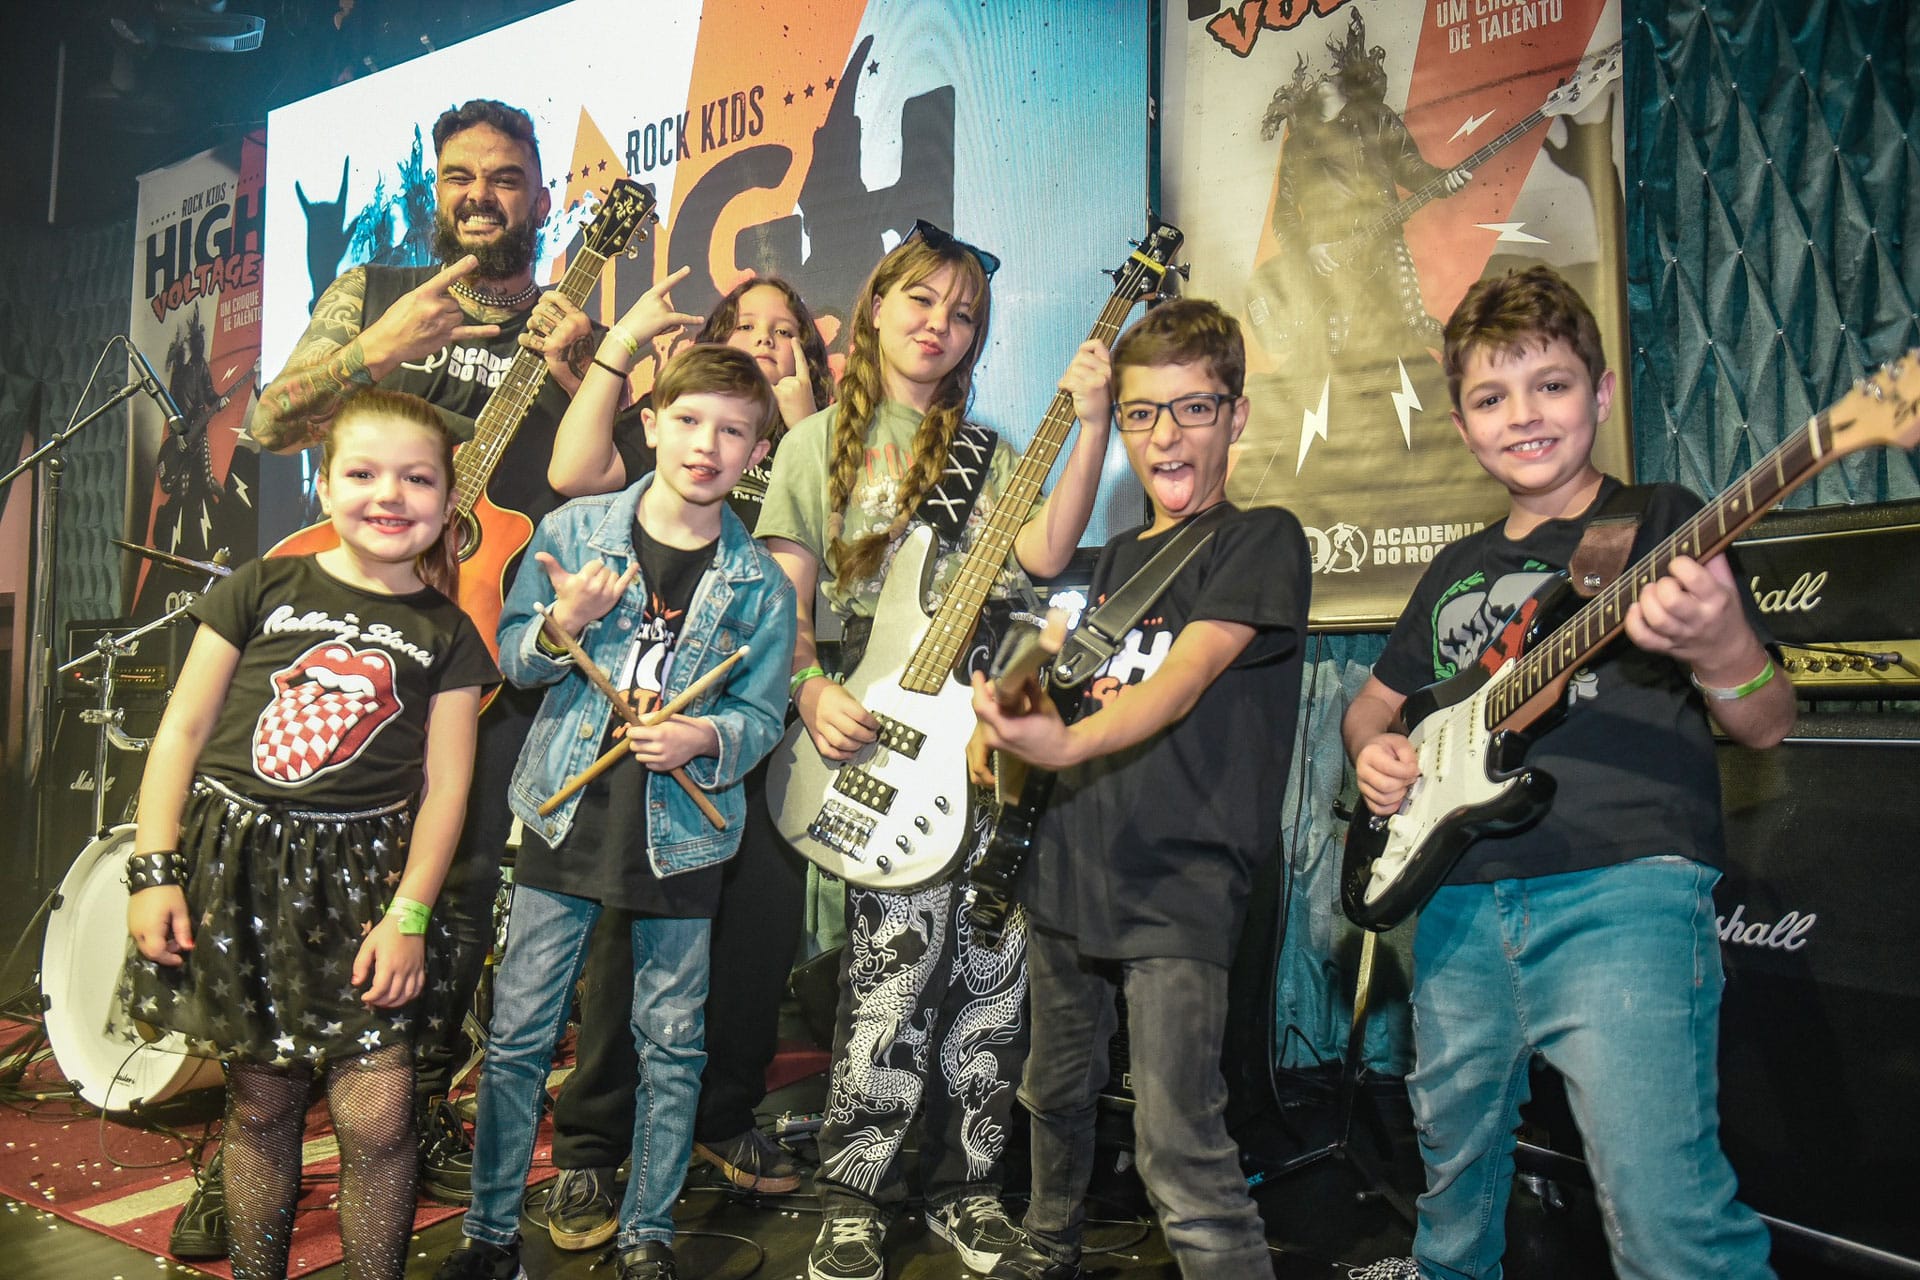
(796, 503)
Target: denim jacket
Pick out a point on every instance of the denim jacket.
(743, 597)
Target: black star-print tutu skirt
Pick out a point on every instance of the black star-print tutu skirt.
(281, 899)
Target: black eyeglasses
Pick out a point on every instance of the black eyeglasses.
(1201, 409)
(940, 239)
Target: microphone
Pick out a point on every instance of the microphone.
(157, 391)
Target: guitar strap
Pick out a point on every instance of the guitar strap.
(1100, 633)
(1607, 542)
(947, 505)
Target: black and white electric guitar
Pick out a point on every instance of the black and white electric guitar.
(1472, 731)
(895, 816)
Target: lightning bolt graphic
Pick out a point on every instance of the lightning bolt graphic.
(206, 525)
(1510, 232)
(1469, 126)
(240, 490)
(1313, 425)
(231, 370)
(177, 527)
(1405, 403)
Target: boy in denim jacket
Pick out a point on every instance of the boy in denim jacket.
(660, 583)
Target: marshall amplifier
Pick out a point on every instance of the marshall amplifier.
(1840, 589)
(1818, 915)
(145, 675)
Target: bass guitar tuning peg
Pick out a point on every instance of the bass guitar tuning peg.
(1114, 272)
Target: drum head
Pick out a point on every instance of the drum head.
(98, 1047)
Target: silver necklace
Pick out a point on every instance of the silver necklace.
(509, 301)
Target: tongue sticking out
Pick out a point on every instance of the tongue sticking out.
(330, 701)
(1173, 487)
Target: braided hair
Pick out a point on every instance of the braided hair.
(862, 391)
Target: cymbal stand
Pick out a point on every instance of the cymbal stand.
(40, 680)
(107, 718)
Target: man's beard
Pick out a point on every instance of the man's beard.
(500, 259)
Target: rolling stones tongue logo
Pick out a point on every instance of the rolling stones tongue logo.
(332, 700)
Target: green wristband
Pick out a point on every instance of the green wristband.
(1738, 691)
(801, 677)
(410, 917)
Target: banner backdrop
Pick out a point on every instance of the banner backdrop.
(196, 317)
(801, 141)
(1344, 170)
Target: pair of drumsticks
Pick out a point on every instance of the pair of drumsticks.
(635, 719)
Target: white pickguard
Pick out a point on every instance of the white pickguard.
(834, 818)
(1452, 745)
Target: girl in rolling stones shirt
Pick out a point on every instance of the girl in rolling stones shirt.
(297, 815)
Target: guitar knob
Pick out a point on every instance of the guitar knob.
(884, 863)
(921, 823)
(905, 845)
(940, 803)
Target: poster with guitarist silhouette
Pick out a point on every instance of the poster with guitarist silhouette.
(1344, 173)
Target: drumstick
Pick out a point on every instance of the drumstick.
(612, 757)
(598, 679)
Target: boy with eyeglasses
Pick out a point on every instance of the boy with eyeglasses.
(1169, 798)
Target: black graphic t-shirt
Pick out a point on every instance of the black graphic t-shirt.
(328, 706)
(604, 856)
(1634, 756)
(1150, 851)
(461, 377)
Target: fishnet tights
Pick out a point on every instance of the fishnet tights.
(371, 1098)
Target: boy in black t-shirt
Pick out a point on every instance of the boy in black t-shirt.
(662, 583)
(1588, 938)
(1169, 798)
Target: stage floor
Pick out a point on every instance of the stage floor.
(1320, 1224)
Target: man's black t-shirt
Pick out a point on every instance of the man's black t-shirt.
(604, 856)
(1150, 851)
(1633, 758)
(328, 705)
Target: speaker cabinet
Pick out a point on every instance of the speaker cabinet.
(1820, 932)
(70, 776)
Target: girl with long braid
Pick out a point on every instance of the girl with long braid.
(926, 1016)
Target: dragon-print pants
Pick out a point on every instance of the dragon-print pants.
(928, 1018)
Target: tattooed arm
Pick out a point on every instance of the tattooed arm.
(335, 357)
(328, 365)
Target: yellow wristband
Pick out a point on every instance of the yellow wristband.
(801, 677)
(626, 340)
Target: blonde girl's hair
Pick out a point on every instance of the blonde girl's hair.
(862, 391)
(439, 565)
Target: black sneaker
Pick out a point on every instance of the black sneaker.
(753, 1162)
(446, 1155)
(847, 1248)
(978, 1229)
(649, 1260)
(1028, 1263)
(200, 1232)
(580, 1208)
(478, 1260)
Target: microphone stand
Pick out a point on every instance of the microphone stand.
(40, 681)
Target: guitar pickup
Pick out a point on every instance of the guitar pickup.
(903, 738)
(863, 788)
(842, 828)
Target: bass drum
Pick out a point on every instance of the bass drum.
(101, 1050)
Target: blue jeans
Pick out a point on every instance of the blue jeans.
(546, 947)
(1176, 1019)
(1612, 976)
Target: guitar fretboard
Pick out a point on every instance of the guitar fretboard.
(936, 654)
(473, 465)
(1710, 531)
